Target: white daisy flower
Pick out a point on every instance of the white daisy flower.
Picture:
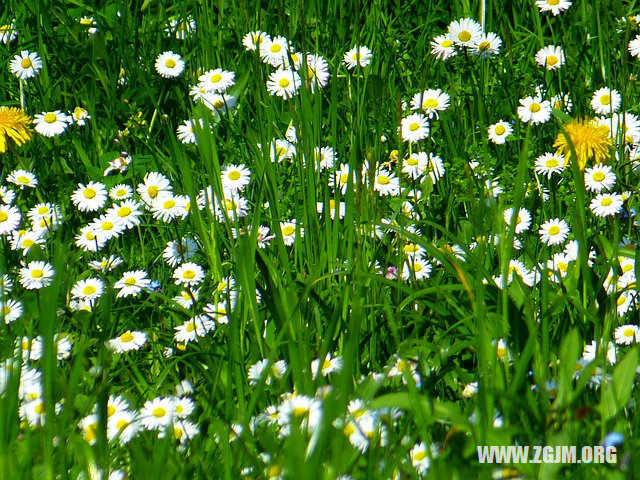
(169, 65)
(216, 80)
(549, 164)
(26, 65)
(274, 51)
(599, 177)
(128, 341)
(553, 6)
(415, 127)
(416, 268)
(288, 230)
(488, 44)
(10, 218)
(431, 102)
(157, 414)
(386, 183)
(534, 110)
(235, 178)
(626, 334)
(36, 275)
(153, 185)
(89, 198)
(606, 204)
(179, 251)
(132, 283)
(554, 232)
(550, 57)
(283, 83)
(499, 131)
(253, 40)
(358, 56)
(523, 219)
(189, 274)
(464, 32)
(606, 101)
(443, 47)
(51, 124)
(10, 311)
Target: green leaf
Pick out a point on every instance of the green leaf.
(616, 395)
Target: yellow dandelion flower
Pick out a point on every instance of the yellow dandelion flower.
(14, 124)
(590, 141)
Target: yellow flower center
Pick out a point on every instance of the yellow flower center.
(89, 290)
(553, 2)
(383, 180)
(26, 63)
(6, 310)
(554, 230)
(344, 178)
(288, 230)
(110, 410)
(39, 408)
(484, 46)
(191, 326)
(4, 216)
(417, 267)
(284, 83)
(430, 103)
(605, 99)
(159, 412)
(124, 212)
(121, 192)
(170, 63)
(414, 126)
(534, 107)
(218, 103)
(349, 429)
(326, 364)
(311, 72)
(216, 78)
(189, 274)
(276, 47)
(419, 456)
(464, 36)
(300, 411)
(89, 193)
(234, 175)
(446, 43)
(412, 161)
(606, 202)
(628, 332)
(107, 226)
(598, 176)
(500, 129)
(551, 163)
(169, 204)
(50, 117)
(131, 281)
(37, 273)
(122, 424)
(552, 60)
(178, 432)
(153, 191)
(42, 210)
(126, 337)
(89, 236)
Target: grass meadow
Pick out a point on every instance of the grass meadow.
(331, 240)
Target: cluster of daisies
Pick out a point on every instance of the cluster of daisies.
(362, 425)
